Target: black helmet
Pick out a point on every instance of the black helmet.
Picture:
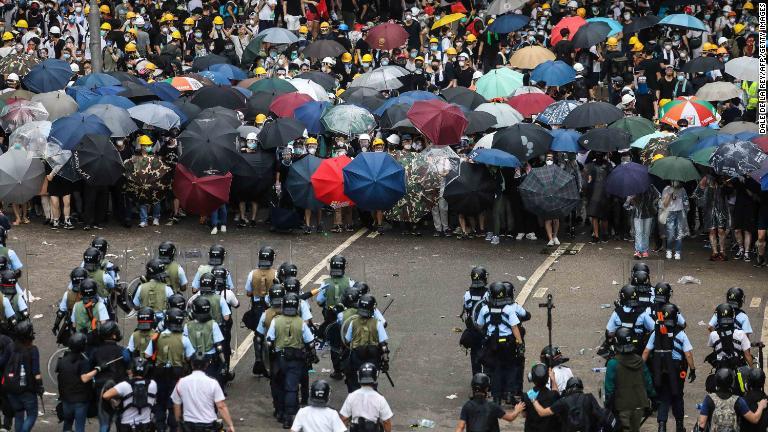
(174, 320)
(367, 374)
(338, 265)
(362, 287)
(509, 289)
(755, 379)
(287, 269)
(155, 269)
(276, 294)
(662, 292)
(641, 266)
(497, 294)
(479, 277)
(3, 236)
(91, 259)
(101, 244)
(207, 282)
(350, 297)
(625, 340)
(77, 342)
(724, 379)
(319, 393)
(8, 281)
(726, 316)
(88, 289)
(552, 356)
(216, 255)
(220, 276)
(76, 276)
(366, 305)
(628, 296)
(177, 301)
(539, 375)
(166, 252)
(110, 330)
(639, 278)
(669, 312)
(3, 262)
(292, 285)
(139, 366)
(481, 383)
(24, 330)
(266, 257)
(201, 309)
(574, 385)
(145, 318)
(735, 297)
(290, 304)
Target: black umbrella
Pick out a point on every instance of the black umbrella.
(208, 146)
(479, 121)
(703, 64)
(523, 140)
(204, 62)
(225, 114)
(324, 48)
(256, 175)
(137, 92)
(188, 108)
(125, 76)
(299, 182)
(366, 97)
(278, 133)
(591, 34)
(605, 139)
(97, 161)
(226, 97)
(550, 192)
(326, 81)
(259, 103)
(472, 192)
(591, 114)
(640, 23)
(463, 96)
(393, 115)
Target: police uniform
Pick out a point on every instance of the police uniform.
(667, 367)
(86, 320)
(133, 418)
(104, 282)
(169, 352)
(741, 322)
(681, 323)
(207, 268)
(14, 262)
(257, 285)
(176, 277)
(205, 337)
(472, 338)
(139, 341)
(364, 337)
(634, 318)
(330, 293)
(275, 386)
(729, 348)
(153, 294)
(500, 347)
(289, 334)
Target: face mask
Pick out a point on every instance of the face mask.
(338, 153)
(71, 20)
(667, 47)
(294, 55)
(66, 56)
(312, 150)
(273, 54)
(680, 77)
(120, 142)
(251, 144)
(384, 62)
(707, 16)
(103, 33)
(364, 149)
(147, 149)
(187, 28)
(78, 9)
(462, 63)
(252, 22)
(164, 30)
(732, 20)
(627, 16)
(433, 47)
(198, 35)
(550, 162)
(365, 65)
(543, 21)
(419, 65)
(408, 17)
(413, 54)
(435, 66)
(683, 54)
(417, 146)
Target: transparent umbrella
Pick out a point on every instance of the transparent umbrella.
(348, 120)
(20, 112)
(32, 136)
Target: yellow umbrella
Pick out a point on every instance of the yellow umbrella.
(448, 19)
(530, 57)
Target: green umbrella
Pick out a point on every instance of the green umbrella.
(20, 64)
(636, 126)
(251, 52)
(348, 120)
(674, 168)
(499, 83)
(272, 85)
(703, 156)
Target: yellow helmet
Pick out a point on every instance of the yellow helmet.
(104, 9)
(367, 58)
(130, 15)
(563, 2)
(218, 20)
(150, 66)
(324, 24)
(7, 36)
(612, 41)
(581, 12)
(311, 140)
(638, 47)
(451, 51)
(339, 92)
(130, 47)
(260, 71)
(419, 58)
(748, 5)
(657, 157)
(189, 21)
(303, 29)
(738, 28)
(378, 141)
(471, 38)
(709, 47)
(722, 50)
(133, 31)
(176, 35)
(545, 6)
(346, 57)
(106, 26)
(633, 40)
(22, 24)
(260, 118)
(433, 40)
(145, 140)
(167, 17)
(87, 9)
(490, 21)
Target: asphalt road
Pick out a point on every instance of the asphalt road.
(425, 278)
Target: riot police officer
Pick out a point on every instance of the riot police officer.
(730, 346)
(153, 293)
(257, 285)
(105, 283)
(216, 255)
(67, 303)
(629, 313)
(90, 310)
(205, 335)
(176, 277)
(329, 296)
(735, 298)
(13, 258)
(108, 266)
(518, 362)
(471, 338)
(286, 270)
(642, 283)
(662, 294)
(367, 340)
(276, 294)
(8, 286)
(144, 333)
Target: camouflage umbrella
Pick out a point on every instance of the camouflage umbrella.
(147, 179)
(656, 146)
(20, 64)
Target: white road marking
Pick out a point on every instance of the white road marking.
(374, 234)
(537, 275)
(755, 303)
(247, 342)
(540, 292)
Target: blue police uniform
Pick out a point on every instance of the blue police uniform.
(741, 321)
(196, 280)
(643, 322)
(499, 350)
(291, 371)
(669, 384)
(471, 338)
(320, 299)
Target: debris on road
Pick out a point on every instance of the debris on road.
(605, 306)
(689, 280)
(451, 396)
(521, 278)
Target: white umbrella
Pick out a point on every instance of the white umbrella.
(31, 136)
(57, 103)
(310, 88)
(499, 7)
(277, 36)
(156, 115)
(382, 78)
(505, 114)
(744, 68)
(719, 91)
(21, 176)
(486, 141)
(525, 90)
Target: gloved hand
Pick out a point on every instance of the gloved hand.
(520, 349)
(691, 375)
(55, 329)
(314, 359)
(40, 391)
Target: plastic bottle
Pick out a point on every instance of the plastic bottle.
(426, 423)
(23, 377)
(598, 370)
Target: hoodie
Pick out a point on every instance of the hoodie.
(628, 383)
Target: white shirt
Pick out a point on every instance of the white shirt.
(199, 394)
(133, 416)
(316, 419)
(740, 342)
(562, 375)
(367, 403)
(267, 11)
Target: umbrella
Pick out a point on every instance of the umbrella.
(111, 90)
(50, 75)
(165, 91)
(530, 104)
(382, 78)
(299, 182)
(640, 23)
(505, 114)
(146, 179)
(408, 98)
(699, 131)
(256, 175)
(499, 7)
(499, 83)
(554, 73)
(684, 145)
(57, 103)
(285, 104)
(549, 192)
(386, 36)
(737, 158)
(746, 135)
(216, 78)
(226, 115)
(200, 195)
(636, 126)
(310, 88)
(309, 114)
(719, 91)
(740, 126)
(472, 191)
(16, 94)
(183, 118)
(572, 23)
(232, 73)
(20, 64)
(442, 123)
(643, 141)
(555, 114)
(95, 79)
(70, 130)
(32, 136)
(479, 121)
(531, 56)
(226, 97)
(348, 120)
(97, 161)
(628, 179)
(155, 115)
(20, 112)
(21, 176)
(117, 119)
(494, 157)
(509, 23)
(462, 96)
(327, 81)
(710, 141)
(615, 26)
(125, 76)
(189, 109)
(328, 182)
(184, 84)
(251, 51)
(743, 68)
(366, 97)
(761, 141)
(703, 156)
(591, 114)
(208, 146)
(684, 21)
(278, 36)
(204, 62)
(324, 48)
(674, 168)
(393, 115)
(703, 64)
(272, 85)
(448, 19)
(591, 34)
(697, 112)
(118, 101)
(565, 140)
(405, 126)
(524, 140)
(425, 172)
(278, 133)
(656, 147)
(259, 104)
(374, 181)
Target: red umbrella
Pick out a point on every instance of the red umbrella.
(572, 23)
(441, 122)
(328, 182)
(458, 7)
(386, 36)
(285, 104)
(762, 142)
(200, 195)
(529, 104)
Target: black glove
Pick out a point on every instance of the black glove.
(691, 375)
(384, 362)
(521, 349)
(55, 329)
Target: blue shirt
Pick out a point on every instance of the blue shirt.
(217, 336)
(9, 312)
(196, 279)
(742, 322)
(13, 260)
(681, 343)
(100, 313)
(643, 321)
(469, 301)
(708, 406)
(189, 350)
(249, 284)
(379, 329)
(306, 333)
(680, 317)
(304, 311)
(137, 296)
(320, 299)
(509, 320)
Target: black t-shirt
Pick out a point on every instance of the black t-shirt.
(71, 387)
(534, 423)
(644, 104)
(293, 7)
(752, 397)
(562, 407)
(666, 88)
(650, 66)
(414, 32)
(464, 76)
(563, 51)
(481, 415)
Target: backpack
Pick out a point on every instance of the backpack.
(724, 418)
(15, 380)
(577, 419)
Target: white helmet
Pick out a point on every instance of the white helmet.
(578, 67)
(573, 4)
(329, 60)
(364, 136)
(12, 77)
(139, 21)
(393, 139)
(627, 99)
(54, 30)
(251, 136)
(477, 75)
(74, 67)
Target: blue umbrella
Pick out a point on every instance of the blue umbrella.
(299, 182)
(111, 90)
(183, 118)
(120, 101)
(309, 114)
(217, 77)
(70, 130)
(494, 157)
(48, 76)
(509, 23)
(746, 135)
(616, 27)
(93, 80)
(628, 179)
(565, 140)
(683, 20)
(165, 91)
(764, 183)
(554, 73)
(408, 98)
(81, 95)
(692, 129)
(555, 113)
(712, 141)
(374, 181)
(644, 140)
(233, 73)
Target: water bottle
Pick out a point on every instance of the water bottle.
(426, 423)
(598, 370)
(23, 377)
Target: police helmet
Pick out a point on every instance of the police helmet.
(3, 263)
(755, 379)
(366, 305)
(724, 379)
(8, 282)
(479, 276)
(662, 292)
(109, 330)
(319, 393)
(145, 318)
(640, 278)
(641, 266)
(497, 294)
(670, 312)
(290, 304)
(177, 301)
(201, 309)
(338, 265)
(76, 276)
(628, 296)
(207, 282)
(88, 289)
(174, 320)
(292, 285)
(216, 255)
(362, 287)
(552, 356)
(91, 259)
(266, 257)
(3, 236)
(367, 374)
(155, 269)
(350, 297)
(220, 276)
(509, 290)
(287, 269)
(481, 383)
(625, 340)
(166, 252)
(573, 385)
(276, 294)
(24, 331)
(539, 375)
(101, 244)
(726, 316)
(139, 366)
(735, 297)
(77, 342)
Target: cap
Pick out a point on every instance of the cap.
(303, 30)
(218, 20)
(330, 61)
(346, 57)
(130, 47)
(464, 55)
(627, 99)
(364, 136)
(167, 17)
(133, 31)
(578, 67)
(419, 58)
(722, 50)
(260, 118)
(748, 5)
(581, 12)
(378, 141)
(545, 6)
(106, 26)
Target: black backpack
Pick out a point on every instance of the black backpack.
(578, 417)
(139, 395)
(12, 381)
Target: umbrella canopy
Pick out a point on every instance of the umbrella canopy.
(494, 157)
(70, 130)
(499, 83)
(32, 136)
(50, 75)
(565, 140)
(285, 104)
(710, 141)
(299, 182)
(472, 191)
(310, 113)
(636, 126)
(747, 135)
(327, 81)
(183, 118)
(155, 115)
(57, 104)
(615, 26)
(366, 97)
(640, 23)
(324, 48)
(93, 80)
(165, 91)
(409, 98)
(549, 192)
(97, 161)
(505, 114)
(697, 112)
(226, 97)
(272, 85)
(393, 115)
(20, 112)
(684, 21)
(252, 51)
(442, 123)
(740, 126)
(311, 88)
(208, 146)
(702, 156)
(200, 195)
(524, 140)
(232, 73)
(448, 19)
(348, 120)
(719, 91)
(117, 119)
(572, 23)
(628, 179)
(374, 181)
(21, 176)
(226, 115)
(386, 36)
(500, 7)
(592, 114)
(555, 114)
(20, 64)
(184, 84)
(525, 90)
(382, 78)
(216, 78)
(462, 96)
(509, 23)
(684, 145)
(255, 177)
(16, 94)
(189, 109)
(479, 121)
(674, 168)
(425, 172)
(531, 56)
(643, 140)
(278, 36)
(86, 101)
(591, 34)
(743, 68)
(279, 132)
(328, 182)
(656, 147)
(137, 92)
(703, 64)
(761, 141)
(147, 179)
(737, 158)
(554, 73)
(530, 104)
(204, 62)
(259, 103)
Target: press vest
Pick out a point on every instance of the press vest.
(288, 332)
(335, 289)
(170, 350)
(751, 88)
(364, 332)
(153, 295)
(261, 280)
(201, 335)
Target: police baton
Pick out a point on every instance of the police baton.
(549, 305)
(392, 383)
(385, 311)
(760, 347)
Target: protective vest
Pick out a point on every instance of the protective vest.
(169, 350)
(261, 281)
(347, 314)
(201, 335)
(364, 332)
(85, 321)
(141, 340)
(629, 319)
(269, 315)
(335, 289)
(215, 301)
(98, 277)
(751, 88)
(724, 417)
(172, 270)
(288, 332)
(663, 366)
(139, 395)
(496, 317)
(730, 354)
(153, 295)
(203, 269)
(71, 300)
(4, 252)
(475, 296)
(644, 294)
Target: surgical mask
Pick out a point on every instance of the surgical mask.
(417, 146)
(462, 63)
(66, 56)
(251, 144)
(164, 30)
(365, 65)
(78, 9)
(218, 27)
(726, 58)
(199, 35)
(147, 149)
(273, 54)
(413, 54)
(71, 20)
(680, 77)
(408, 17)
(187, 28)
(627, 16)
(294, 55)
(103, 33)
(550, 162)
(732, 20)
(667, 47)
(532, 38)
(341, 152)
(707, 16)
(433, 47)
(683, 54)
(364, 149)
(384, 62)
(120, 142)
(312, 150)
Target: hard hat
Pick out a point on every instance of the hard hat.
(176, 34)
(581, 12)
(563, 2)
(364, 136)
(727, 8)
(378, 141)
(346, 57)
(22, 24)
(627, 99)
(104, 9)
(471, 38)
(150, 66)
(722, 40)
(74, 67)
(732, 13)
(545, 6)
(106, 26)
(722, 50)
(343, 27)
(303, 30)
(9, 36)
(330, 60)
(218, 20)
(633, 40)
(130, 14)
(167, 17)
(139, 21)
(145, 140)
(12, 77)
(477, 75)
(189, 21)
(367, 58)
(311, 140)
(464, 55)
(87, 9)
(578, 67)
(433, 40)
(612, 41)
(708, 47)
(451, 51)
(251, 136)
(260, 118)
(638, 47)
(130, 47)
(393, 139)
(133, 31)
(748, 5)
(260, 71)
(324, 24)
(738, 28)
(339, 92)
(658, 156)
(573, 4)
(419, 58)
(53, 30)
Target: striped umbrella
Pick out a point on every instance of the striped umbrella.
(184, 84)
(696, 111)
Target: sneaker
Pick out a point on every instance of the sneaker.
(488, 236)
(739, 253)
(349, 228)
(519, 236)
(644, 255)
(677, 256)
(54, 225)
(337, 229)
(68, 225)
(747, 257)
(714, 257)
(557, 242)
(550, 243)
(723, 256)
(495, 240)
(142, 224)
(669, 254)
(214, 231)
(531, 236)
(447, 232)
(253, 223)
(637, 255)
(307, 229)
(320, 228)
(759, 262)
(86, 227)
(594, 240)
(223, 228)
(242, 223)
(437, 234)
(155, 222)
